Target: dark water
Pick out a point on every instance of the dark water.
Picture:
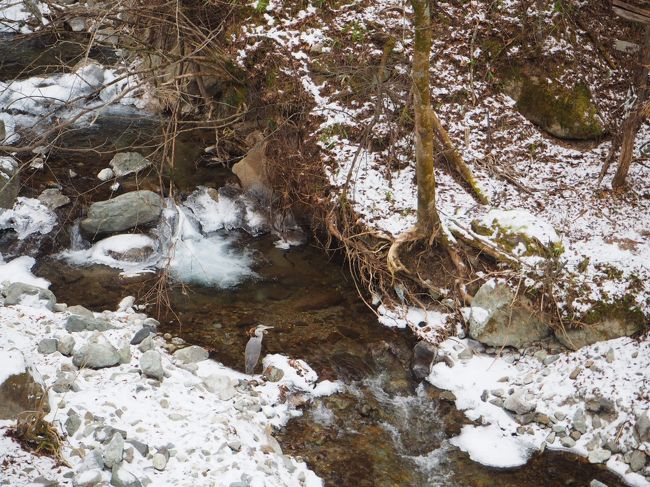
(384, 429)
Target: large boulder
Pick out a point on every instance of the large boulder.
(125, 163)
(9, 181)
(96, 354)
(252, 169)
(123, 212)
(19, 390)
(21, 293)
(566, 112)
(499, 319)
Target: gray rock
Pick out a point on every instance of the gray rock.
(105, 433)
(272, 374)
(125, 163)
(87, 478)
(147, 344)
(151, 364)
(159, 461)
(141, 334)
(424, 353)
(77, 309)
(637, 460)
(96, 355)
(64, 382)
(191, 354)
(610, 356)
(73, 422)
(53, 198)
(105, 174)
(65, 345)
(599, 455)
(580, 426)
(120, 477)
(608, 328)
(9, 180)
(496, 321)
(47, 346)
(519, 402)
(140, 447)
(18, 292)
(642, 425)
(568, 442)
(151, 323)
(123, 212)
(597, 483)
(114, 451)
(76, 323)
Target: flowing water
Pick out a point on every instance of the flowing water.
(384, 429)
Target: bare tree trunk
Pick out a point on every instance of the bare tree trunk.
(428, 219)
(635, 118)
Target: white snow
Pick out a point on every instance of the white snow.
(12, 362)
(27, 217)
(19, 270)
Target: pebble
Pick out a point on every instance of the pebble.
(191, 354)
(159, 461)
(596, 422)
(637, 460)
(146, 344)
(576, 435)
(597, 483)
(559, 415)
(575, 373)
(568, 442)
(65, 345)
(580, 425)
(151, 364)
(114, 451)
(550, 438)
(87, 479)
(105, 174)
(610, 356)
(550, 359)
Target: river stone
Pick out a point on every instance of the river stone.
(114, 451)
(495, 321)
(73, 422)
(65, 345)
(637, 460)
(642, 426)
(77, 323)
(519, 402)
(53, 198)
(147, 344)
(151, 364)
(96, 355)
(142, 448)
(424, 353)
(597, 483)
(9, 181)
(87, 478)
(105, 174)
(20, 391)
(21, 293)
(608, 328)
(159, 461)
(3, 131)
(191, 354)
(125, 163)
(599, 455)
(47, 346)
(140, 335)
(120, 477)
(123, 212)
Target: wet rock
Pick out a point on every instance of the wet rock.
(642, 425)
(3, 131)
(191, 354)
(519, 402)
(65, 345)
(73, 422)
(9, 180)
(141, 334)
(47, 346)
(125, 163)
(114, 451)
(88, 478)
(495, 321)
(53, 198)
(424, 354)
(20, 391)
(105, 174)
(96, 355)
(20, 293)
(121, 477)
(76, 323)
(599, 455)
(151, 364)
(123, 212)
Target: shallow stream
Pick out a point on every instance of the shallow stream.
(383, 430)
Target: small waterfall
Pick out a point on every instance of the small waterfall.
(77, 242)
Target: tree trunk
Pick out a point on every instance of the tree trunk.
(635, 118)
(428, 219)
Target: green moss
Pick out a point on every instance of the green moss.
(567, 113)
(508, 241)
(624, 310)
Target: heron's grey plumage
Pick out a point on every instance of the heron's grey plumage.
(253, 348)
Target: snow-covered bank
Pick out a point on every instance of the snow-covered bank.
(197, 423)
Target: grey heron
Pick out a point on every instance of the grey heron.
(254, 347)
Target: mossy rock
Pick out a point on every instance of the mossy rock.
(564, 112)
(605, 321)
(518, 232)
